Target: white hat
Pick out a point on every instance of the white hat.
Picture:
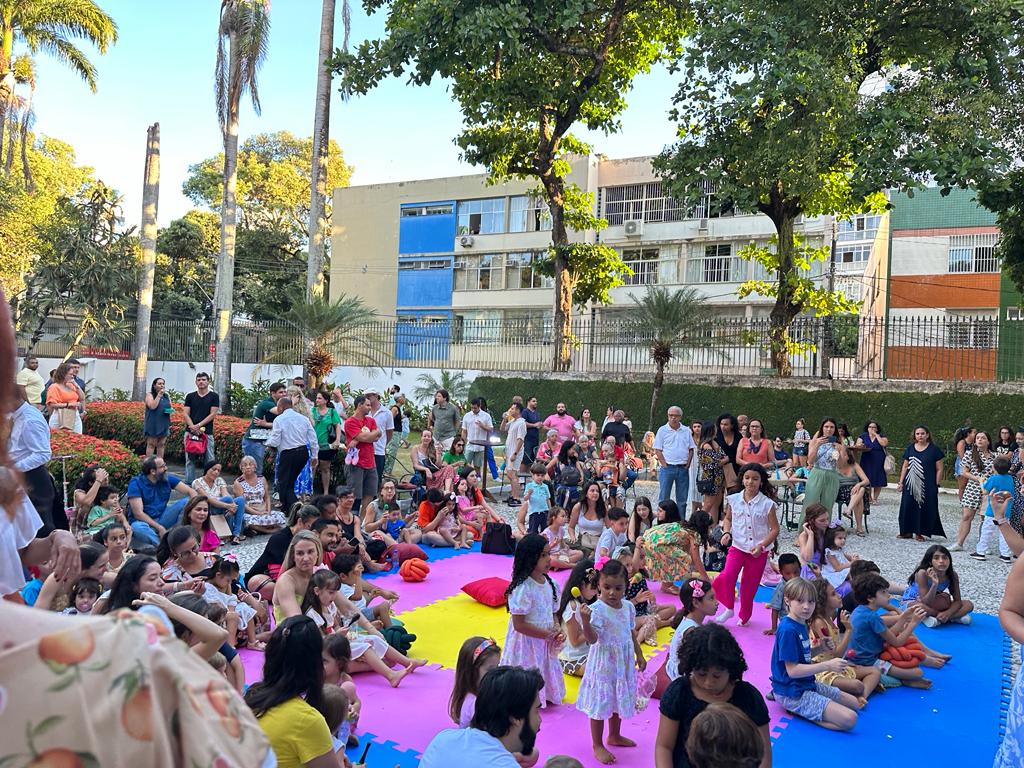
(371, 391)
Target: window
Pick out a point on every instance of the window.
(853, 254)
(528, 213)
(973, 253)
(863, 227)
(481, 217)
(521, 271)
(437, 209)
(477, 327)
(478, 272)
(717, 265)
(1014, 314)
(423, 264)
(972, 333)
(650, 202)
(527, 326)
(644, 262)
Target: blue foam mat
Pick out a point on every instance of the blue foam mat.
(434, 554)
(956, 722)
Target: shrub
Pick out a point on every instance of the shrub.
(123, 422)
(897, 412)
(83, 450)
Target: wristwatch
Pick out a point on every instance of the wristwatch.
(997, 521)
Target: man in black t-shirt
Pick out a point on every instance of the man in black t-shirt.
(617, 429)
(201, 407)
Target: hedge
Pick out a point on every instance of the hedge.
(897, 412)
(122, 421)
(121, 464)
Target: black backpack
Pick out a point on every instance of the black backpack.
(497, 539)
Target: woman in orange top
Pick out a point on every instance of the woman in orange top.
(61, 397)
(756, 448)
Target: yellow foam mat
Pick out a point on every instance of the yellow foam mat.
(441, 628)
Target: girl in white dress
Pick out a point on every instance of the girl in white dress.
(534, 635)
(246, 612)
(608, 689)
(836, 568)
(580, 588)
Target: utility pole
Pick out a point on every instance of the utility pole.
(826, 342)
(147, 272)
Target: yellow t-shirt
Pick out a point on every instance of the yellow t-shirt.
(297, 732)
(33, 384)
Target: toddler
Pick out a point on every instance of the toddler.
(650, 616)
(789, 568)
(835, 567)
(335, 707)
(614, 534)
(580, 589)
(107, 510)
(246, 612)
(999, 489)
(84, 594)
(562, 558)
(537, 499)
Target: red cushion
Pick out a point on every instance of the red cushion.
(406, 551)
(489, 591)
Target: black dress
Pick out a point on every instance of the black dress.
(919, 504)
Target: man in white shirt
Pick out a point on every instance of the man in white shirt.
(674, 447)
(504, 727)
(296, 442)
(476, 432)
(29, 449)
(515, 442)
(386, 424)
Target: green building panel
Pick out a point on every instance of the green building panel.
(928, 209)
(1010, 355)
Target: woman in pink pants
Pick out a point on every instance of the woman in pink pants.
(752, 526)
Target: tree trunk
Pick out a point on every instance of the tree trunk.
(554, 187)
(659, 382)
(147, 238)
(785, 310)
(26, 170)
(318, 180)
(224, 293)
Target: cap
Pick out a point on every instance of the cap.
(371, 391)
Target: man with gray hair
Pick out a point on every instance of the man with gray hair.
(674, 447)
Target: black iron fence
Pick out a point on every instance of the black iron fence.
(946, 348)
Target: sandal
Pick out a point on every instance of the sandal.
(862, 534)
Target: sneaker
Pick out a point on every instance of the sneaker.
(770, 695)
(930, 621)
(957, 548)
(966, 619)
(1006, 558)
(724, 616)
(978, 556)
(513, 502)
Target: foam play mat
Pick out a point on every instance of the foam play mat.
(957, 722)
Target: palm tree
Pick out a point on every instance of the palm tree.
(242, 37)
(327, 334)
(51, 26)
(668, 320)
(455, 382)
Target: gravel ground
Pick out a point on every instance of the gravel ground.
(981, 582)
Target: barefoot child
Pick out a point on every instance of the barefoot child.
(580, 589)
(356, 589)
(827, 643)
(650, 616)
(534, 635)
(793, 681)
(245, 610)
(935, 586)
(835, 568)
(789, 568)
(868, 634)
(608, 689)
(562, 558)
(477, 657)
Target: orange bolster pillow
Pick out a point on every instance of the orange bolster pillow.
(906, 656)
(414, 570)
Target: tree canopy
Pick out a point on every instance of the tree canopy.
(524, 72)
(791, 107)
(273, 182)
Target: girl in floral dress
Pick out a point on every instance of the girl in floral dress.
(608, 689)
(534, 635)
(671, 549)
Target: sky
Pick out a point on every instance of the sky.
(161, 70)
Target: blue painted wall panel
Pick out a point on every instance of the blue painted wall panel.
(427, 234)
(422, 340)
(424, 288)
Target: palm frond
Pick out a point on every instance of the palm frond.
(75, 19)
(221, 86)
(66, 53)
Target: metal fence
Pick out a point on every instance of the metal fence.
(942, 348)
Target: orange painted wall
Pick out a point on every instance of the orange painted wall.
(941, 363)
(955, 291)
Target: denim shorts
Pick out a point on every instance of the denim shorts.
(810, 704)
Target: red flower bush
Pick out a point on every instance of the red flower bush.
(121, 464)
(122, 421)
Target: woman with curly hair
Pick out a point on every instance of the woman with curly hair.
(534, 635)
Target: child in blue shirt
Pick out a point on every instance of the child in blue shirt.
(793, 681)
(789, 568)
(538, 499)
(999, 489)
(868, 633)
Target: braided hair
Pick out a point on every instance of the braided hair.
(528, 554)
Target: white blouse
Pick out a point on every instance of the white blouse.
(749, 520)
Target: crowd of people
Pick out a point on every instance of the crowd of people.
(709, 540)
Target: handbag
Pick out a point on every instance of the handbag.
(497, 539)
(706, 487)
(195, 445)
(889, 465)
(66, 418)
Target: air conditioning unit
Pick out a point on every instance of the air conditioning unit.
(702, 226)
(466, 241)
(459, 264)
(633, 227)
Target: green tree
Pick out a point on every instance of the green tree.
(186, 266)
(324, 334)
(269, 266)
(273, 182)
(24, 213)
(669, 321)
(454, 382)
(54, 26)
(243, 34)
(524, 72)
(87, 274)
(794, 107)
